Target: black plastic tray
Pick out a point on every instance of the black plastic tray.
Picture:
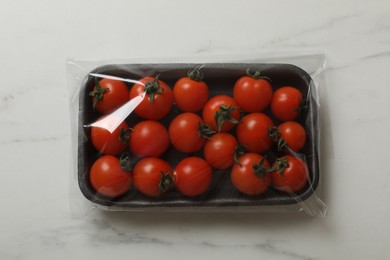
(220, 79)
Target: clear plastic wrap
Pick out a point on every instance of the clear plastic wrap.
(196, 133)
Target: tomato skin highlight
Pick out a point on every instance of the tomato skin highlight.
(115, 95)
(149, 139)
(293, 134)
(293, 178)
(193, 176)
(108, 178)
(213, 105)
(161, 104)
(219, 150)
(183, 133)
(253, 132)
(190, 95)
(107, 142)
(148, 173)
(243, 176)
(252, 95)
(285, 103)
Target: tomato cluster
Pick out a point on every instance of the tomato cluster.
(225, 132)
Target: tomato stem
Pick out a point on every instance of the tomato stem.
(259, 169)
(166, 183)
(124, 135)
(205, 130)
(275, 135)
(152, 88)
(257, 75)
(281, 165)
(282, 144)
(224, 114)
(97, 94)
(195, 74)
(125, 162)
(239, 150)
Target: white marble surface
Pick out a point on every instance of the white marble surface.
(37, 36)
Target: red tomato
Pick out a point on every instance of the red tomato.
(191, 93)
(253, 132)
(109, 141)
(158, 98)
(286, 102)
(219, 150)
(253, 93)
(293, 134)
(193, 176)
(251, 177)
(152, 176)
(149, 139)
(221, 113)
(291, 175)
(108, 95)
(187, 132)
(108, 178)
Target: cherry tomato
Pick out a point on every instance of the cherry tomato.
(107, 137)
(251, 177)
(187, 132)
(157, 101)
(149, 139)
(286, 102)
(293, 134)
(193, 176)
(191, 93)
(219, 150)
(221, 113)
(108, 178)
(291, 175)
(253, 93)
(108, 95)
(253, 132)
(152, 176)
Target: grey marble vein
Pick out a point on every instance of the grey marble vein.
(136, 238)
(116, 236)
(33, 139)
(4, 101)
(378, 55)
(8, 97)
(313, 29)
(382, 54)
(268, 246)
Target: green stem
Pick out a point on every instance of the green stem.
(98, 93)
(257, 75)
(282, 144)
(274, 133)
(223, 114)
(195, 74)
(260, 170)
(125, 162)
(152, 88)
(124, 135)
(281, 165)
(276, 136)
(167, 182)
(205, 131)
(239, 150)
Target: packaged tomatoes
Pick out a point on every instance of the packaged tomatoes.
(173, 136)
